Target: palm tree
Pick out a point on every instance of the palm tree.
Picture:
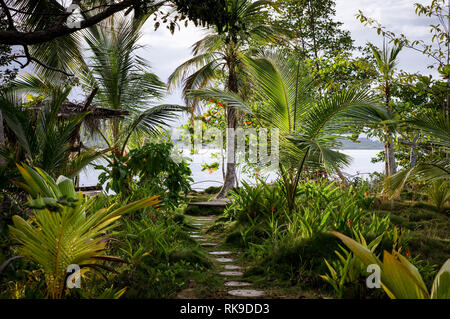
(37, 134)
(437, 126)
(386, 62)
(219, 54)
(65, 230)
(309, 125)
(124, 82)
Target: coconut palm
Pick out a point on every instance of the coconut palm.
(124, 82)
(60, 56)
(218, 55)
(386, 62)
(309, 125)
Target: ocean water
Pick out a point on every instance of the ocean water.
(360, 166)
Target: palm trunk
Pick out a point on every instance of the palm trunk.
(412, 156)
(389, 153)
(2, 136)
(342, 177)
(391, 167)
(230, 174)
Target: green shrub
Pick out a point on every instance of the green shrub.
(150, 167)
(250, 203)
(292, 245)
(160, 253)
(149, 281)
(202, 211)
(192, 255)
(347, 274)
(212, 190)
(439, 193)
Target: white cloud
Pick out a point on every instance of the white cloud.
(397, 16)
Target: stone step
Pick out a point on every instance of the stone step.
(231, 273)
(247, 293)
(237, 284)
(223, 252)
(225, 260)
(232, 267)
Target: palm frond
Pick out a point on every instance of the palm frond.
(424, 172)
(150, 120)
(70, 234)
(335, 112)
(436, 125)
(15, 118)
(230, 98)
(182, 71)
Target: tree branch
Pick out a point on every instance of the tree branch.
(14, 37)
(33, 59)
(8, 16)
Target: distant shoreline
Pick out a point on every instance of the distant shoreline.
(362, 144)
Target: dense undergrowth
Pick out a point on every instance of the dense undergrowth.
(293, 248)
(157, 258)
(287, 251)
(142, 251)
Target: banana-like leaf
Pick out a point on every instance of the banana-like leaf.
(401, 279)
(366, 256)
(34, 181)
(66, 187)
(425, 172)
(50, 182)
(441, 284)
(140, 204)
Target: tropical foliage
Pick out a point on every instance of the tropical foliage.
(124, 82)
(152, 166)
(309, 126)
(64, 230)
(399, 278)
(219, 56)
(298, 226)
(37, 134)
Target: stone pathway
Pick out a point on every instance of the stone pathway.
(224, 259)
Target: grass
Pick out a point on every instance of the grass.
(428, 228)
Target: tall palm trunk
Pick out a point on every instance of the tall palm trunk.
(230, 174)
(2, 136)
(390, 166)
(115, 136)
(389, 153)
